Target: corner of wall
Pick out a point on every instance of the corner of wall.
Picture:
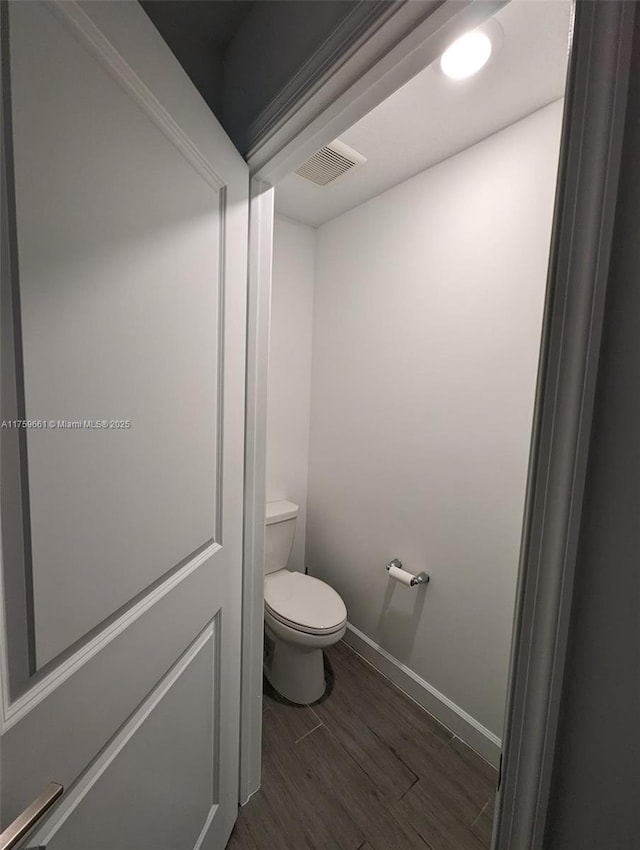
(288, 408)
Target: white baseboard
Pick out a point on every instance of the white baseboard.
(461, 724)
(250, 796)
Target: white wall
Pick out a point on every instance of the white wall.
(426, 330)
(290, 371)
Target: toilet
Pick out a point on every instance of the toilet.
(302, 615)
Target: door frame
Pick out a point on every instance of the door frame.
(593, 125)
(261, 200)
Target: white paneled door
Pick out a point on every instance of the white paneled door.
(123, 297)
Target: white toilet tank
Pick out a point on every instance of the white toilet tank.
(281, 526)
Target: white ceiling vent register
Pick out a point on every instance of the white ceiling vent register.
(331, 162)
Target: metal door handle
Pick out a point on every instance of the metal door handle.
(23, 823)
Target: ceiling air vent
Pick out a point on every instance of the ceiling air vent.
(331, 162)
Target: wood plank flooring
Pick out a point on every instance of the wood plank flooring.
(364, 768)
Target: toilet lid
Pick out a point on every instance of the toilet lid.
(306, 602)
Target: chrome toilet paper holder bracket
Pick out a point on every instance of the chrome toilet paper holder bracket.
(421, 578)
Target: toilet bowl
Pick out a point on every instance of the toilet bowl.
(302, 615)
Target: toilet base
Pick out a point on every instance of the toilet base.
(296, 672)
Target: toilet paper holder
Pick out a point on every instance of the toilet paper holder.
(421, 578)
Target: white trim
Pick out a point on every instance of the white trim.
(352, 33)
(402, 46)
(72, 798)
(445, 711)
(15, 711)
(207, 825)
(92, 38)
(595, 109)
(255, 790)
(223, 205)
(258, 322)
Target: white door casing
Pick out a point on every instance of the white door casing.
(591, 149)
(124, 242)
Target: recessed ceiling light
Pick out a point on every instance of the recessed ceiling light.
(466, 55)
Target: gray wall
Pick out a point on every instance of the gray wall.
(596, 785)
(427, 318)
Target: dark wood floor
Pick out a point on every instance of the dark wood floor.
(365, 768)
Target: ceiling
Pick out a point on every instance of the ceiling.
(432, 117)
(214, 24)
(246, 56)
(199, 33)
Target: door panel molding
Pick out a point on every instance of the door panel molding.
(23, 686)
(55, 634)
(13, 711)
(16, 535)
(81, 716)
(98, 44)
(81, 788)
(220, 395)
